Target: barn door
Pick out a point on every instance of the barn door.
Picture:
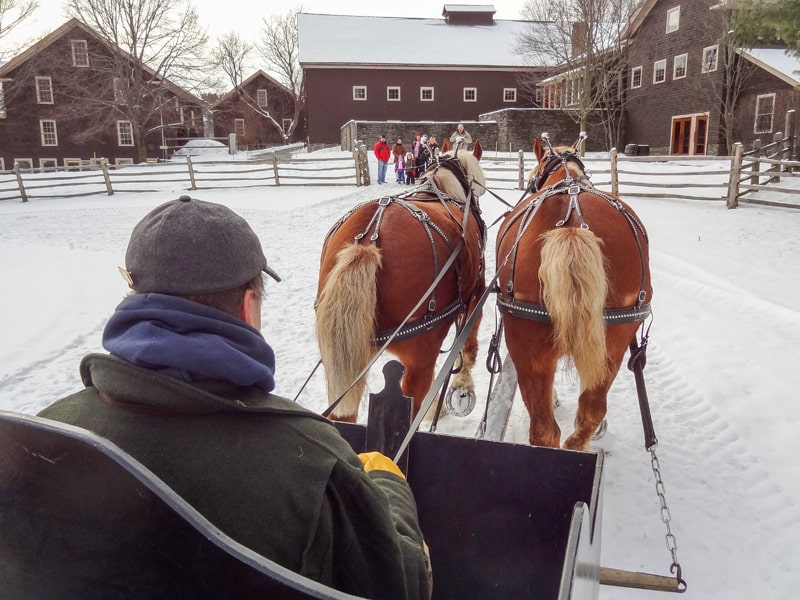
(681, 135)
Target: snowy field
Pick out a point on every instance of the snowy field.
(722, 370)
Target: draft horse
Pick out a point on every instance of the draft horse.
(380, 260)
(574, 281)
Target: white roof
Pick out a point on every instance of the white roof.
(471, 8)
(777, 61)
(397, 41)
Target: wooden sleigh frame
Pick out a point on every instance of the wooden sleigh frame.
(80, 517)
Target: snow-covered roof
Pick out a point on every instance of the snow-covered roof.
(472, 8)
(332, 40)
(776, 61)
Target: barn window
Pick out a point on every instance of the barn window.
(470, 94)
(679, 67)
(44, 90)
(261, 98)
(49, 133)
(359, 92)
(426, 94)
(509, 94)
(124, 133)
(765, 107)
(673, 19)
(636, 77)
(238, 128)
(393, 93)
(710, 55)
(660, 71)
(80, 53)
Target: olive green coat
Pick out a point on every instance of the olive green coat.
(272, 475)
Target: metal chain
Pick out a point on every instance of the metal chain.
(666, 518)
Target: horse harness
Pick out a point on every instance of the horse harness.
(426, 192)
(573, 186)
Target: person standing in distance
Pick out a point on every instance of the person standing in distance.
(382, 152)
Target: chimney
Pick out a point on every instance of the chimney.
(578, 38)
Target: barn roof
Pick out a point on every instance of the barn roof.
(777, 61)
(336, 40)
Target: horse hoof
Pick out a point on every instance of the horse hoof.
(601, 430)
(459, 401)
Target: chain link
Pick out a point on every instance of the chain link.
(666, 518)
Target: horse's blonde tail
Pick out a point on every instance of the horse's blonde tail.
(346, 324)
(574, 289)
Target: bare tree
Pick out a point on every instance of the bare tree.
(280, 48)
(232, 56)
(585, 42)
(153, 46)
(12, 14)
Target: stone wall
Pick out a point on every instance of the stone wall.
(508, 130)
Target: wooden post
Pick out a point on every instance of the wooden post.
(106, 176)
(521, 182)
(736, 172)
(275, 168)
(192, 184)
(778, 155)
(613, 158)
(21, 185)
(790, 134)
(362, 153)
(755, 167)
(357, 165)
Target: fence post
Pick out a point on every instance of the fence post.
(521, 183)
(614, 174)
(275, 168)
(107, 177)
(789, 140)
(22, 191)
(362, 153)
(736, 171)
(192, 184)
(357, 165)
(755, 167)
(777, 155)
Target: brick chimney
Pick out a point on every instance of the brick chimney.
(578, 38)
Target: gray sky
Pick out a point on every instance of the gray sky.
(245, 16)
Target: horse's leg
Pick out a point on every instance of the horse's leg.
(593, 404)
(535, 374)
(462, 388)
(418, 355)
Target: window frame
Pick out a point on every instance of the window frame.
(473, 91)
(673, 19)
(663, 63)
(685, 57)
(82, 53)
(48, 89)
(3, 110)
(286, 124)
(72, 164)
(261, 92)
(121, 160)
(356, 96)
(509, 91)
(239, 124)
(389, 90)
(427, 88)
(706, 52)
(43, 135)
(634, 72)
(29, 161)
(48, 163)
(759, 98)
(2, 164)
(123, 124)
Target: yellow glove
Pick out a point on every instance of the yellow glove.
(381, 462)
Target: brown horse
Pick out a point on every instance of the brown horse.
(381, 259)
(574, 282)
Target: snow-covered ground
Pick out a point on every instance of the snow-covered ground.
(722, 370)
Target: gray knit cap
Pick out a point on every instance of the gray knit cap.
(187, 246)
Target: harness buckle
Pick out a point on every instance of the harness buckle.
(642, 296)
(574, 189)
(384, 201)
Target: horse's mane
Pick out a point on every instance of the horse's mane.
(450, 184)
